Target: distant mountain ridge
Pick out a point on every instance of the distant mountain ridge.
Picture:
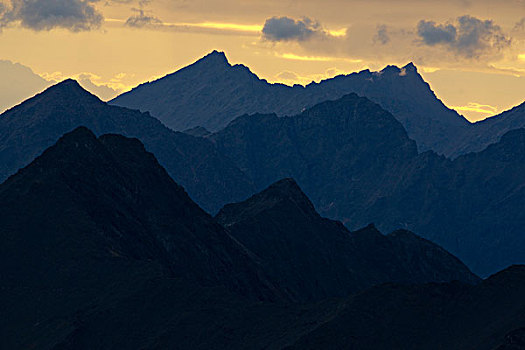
(490, 130)
(29, 128)
(211, 93)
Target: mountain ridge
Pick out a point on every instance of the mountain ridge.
(315, 258)
(29, 128)
(211, 99)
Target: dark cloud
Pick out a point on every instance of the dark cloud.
(288, 29)
(74, 15)
(433, 33)
(382, 36)
(469, 36)
(141, 19)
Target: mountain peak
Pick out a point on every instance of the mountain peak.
(282, 195)
(68, 89)
(286, 190)
(215, 58)
(69, 82)
(410, 67)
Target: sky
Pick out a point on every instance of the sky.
(472, 52)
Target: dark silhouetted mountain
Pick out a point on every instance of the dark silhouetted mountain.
(356, 163)
(451, 316)
(101, 249)
(211, 93)
(28, 129)
(91, 221)
(490, 130)
(315, 258)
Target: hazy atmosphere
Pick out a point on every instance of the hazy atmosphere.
(472, 52)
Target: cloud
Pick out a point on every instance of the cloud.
(433, 33)
(142, 20)
(39, 15)
(382, 36)
(103, 91)
(289, 29)
(469, 36)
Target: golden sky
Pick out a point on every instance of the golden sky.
(472, 52)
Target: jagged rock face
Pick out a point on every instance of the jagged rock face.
(315, 258)
(28, 129)
(433, 316)
(211, 93)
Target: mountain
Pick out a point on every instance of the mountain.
(316, 258)
(490, 130)
(101, 249)
(92, 222)
(28, 129)
(357, 164)
(211, 93)
(433, 316)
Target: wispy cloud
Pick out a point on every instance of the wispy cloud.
(291, 56)
(141, 19)
(483, 110)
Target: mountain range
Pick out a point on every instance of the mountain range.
(259, 225)
(29, 128)
(97, 239)
(357, 164)
(353, 159)
(211, 93)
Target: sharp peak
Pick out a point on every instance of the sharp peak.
(281, 191)
(408, 68)
(215, 57)
(70, 82)
(68, 86)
